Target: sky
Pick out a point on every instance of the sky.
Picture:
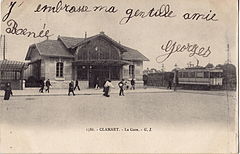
(147, 35)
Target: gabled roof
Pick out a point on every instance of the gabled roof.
(103, 36)
(63, 45)
(51, 48)
(133, 54)
(69, 42)
(128, 53)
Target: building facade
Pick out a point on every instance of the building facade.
(88, 60)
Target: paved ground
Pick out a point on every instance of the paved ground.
(182, 121)
(63, 92)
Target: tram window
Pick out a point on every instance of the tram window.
(180, 74)
(220, 74)
(191, 74)
(185, 74)
(199, 74)
(216, 74)
(206, 74)
(212, 75)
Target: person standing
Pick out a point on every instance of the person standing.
(97, 83)
(121, 85)
(42, 86)
(71, 88)
(48, 84)
(169, 84)
(104, 87)
(132, 84)
(145, 80)
(175, 80)
(107, 87)
(76, 85)
(126, 85)
(8, 91)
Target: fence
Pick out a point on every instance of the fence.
(159, 79)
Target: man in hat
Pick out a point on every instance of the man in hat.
(121, 85)
(71, 88)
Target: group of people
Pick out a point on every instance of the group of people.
(48, 84)
(71, 87)
(122, 86)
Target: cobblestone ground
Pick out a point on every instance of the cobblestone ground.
(179, 122)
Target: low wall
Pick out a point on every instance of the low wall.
(15, 84)
(65, 84)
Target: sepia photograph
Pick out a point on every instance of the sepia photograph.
(129, 76)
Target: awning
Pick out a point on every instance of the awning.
(102, 62)
(7, 65)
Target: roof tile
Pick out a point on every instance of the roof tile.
(53, 48)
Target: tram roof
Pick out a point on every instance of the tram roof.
(202, 69)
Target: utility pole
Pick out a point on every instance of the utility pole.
(228, 55)
(228, 76)
(176, 66)
(4, 48)
(163, 68)
(1, 43)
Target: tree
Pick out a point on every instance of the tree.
(219, 66)
(229, 75)
(209, 65)
(227, 69)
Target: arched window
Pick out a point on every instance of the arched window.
(59, 69)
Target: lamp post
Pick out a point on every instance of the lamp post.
(175, 81)
(162, 74)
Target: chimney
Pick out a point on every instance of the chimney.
(102, 33)
(85, 35)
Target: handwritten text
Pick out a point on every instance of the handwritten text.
(163, 11)
(172, 47)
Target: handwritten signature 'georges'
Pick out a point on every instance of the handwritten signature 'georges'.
(172, 47)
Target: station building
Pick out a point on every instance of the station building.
(84, 59)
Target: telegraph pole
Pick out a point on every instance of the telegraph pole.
(1, 43)
(4, 48)
(228, 55)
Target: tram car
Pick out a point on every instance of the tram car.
(200, 78)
